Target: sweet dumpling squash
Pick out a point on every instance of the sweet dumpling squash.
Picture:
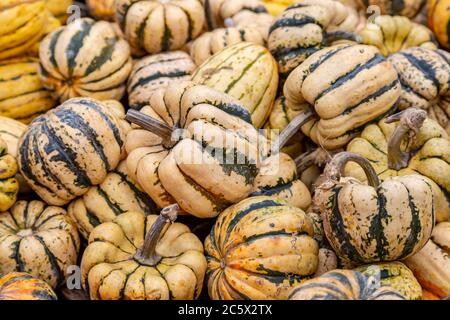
(260, 249)
(85, 58)
(23, 286)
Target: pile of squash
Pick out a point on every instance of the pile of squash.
(224, 149)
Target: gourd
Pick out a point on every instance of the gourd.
(306, 27)
(395, 275)
(156, 26)
(9, 186)
(239, 69)
(343, 285)
(11, 131)
(210, 43)
(260, 249)
(346, 94)
(275, 7)
(156, 71)
(22, 286)
(431, 265)
(70, 148)
(38, 239)
(438, 20)
(407, 8)
(391, 34)
(85, 58)
(425, 78)
(391, 154)
(196, 147)
(137, 257)
(23, 23)
(102, 9)
(385, 221)
(22, 94)
(117, 194)
(59, 8)
(218, 11)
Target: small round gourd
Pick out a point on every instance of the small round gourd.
(23, 286)
(260, 249)
(38, 239)
(138, 257)
(85, 58)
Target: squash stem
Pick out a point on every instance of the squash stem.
(292, 128)
(335, 168)
(317, 157)
(330, 37)
(157, 127)
(411, 120)
(147, 255)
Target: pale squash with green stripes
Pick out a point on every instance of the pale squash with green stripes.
(22, 94)
(395, 275)
(260, 249)
(245, 71)
(344, 285)
(117, 194)
(385, 221)
(85, 58)
(38, 239)
(208, 155)
(70, 148)
(9, 186)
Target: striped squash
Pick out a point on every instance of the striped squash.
(278, 179)
(439, 20)
(22, 94)
(210, 43)
(407, 8)
(425, 78)
(157, 26)
(70, 148)
(59, 8)
(157, 71)
(260, 249)
(431, 265)
(117, 194)
(428, 154)
(306, 27)
(9, 186)
(121, 261)
(343, 285)
(11, 131)
(85, 58)
(22, 25)
(23, 286)
(102, 9)
(391, 34)
(245, 71)
(395, 275)
(39, 240)
(218, 11)
(346, 93)
(384, 221)
(217, 148)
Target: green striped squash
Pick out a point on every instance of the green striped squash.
(22, 94)
(85, 58)
(343, 285)
(245, 71)
(425, 78)
(23, 286)
(260, 249)
(117, 194)
(348, 86)
(38, 239)
(70, 148)
(211, 165)
(157, 26)
(395, 275)
(157, 71)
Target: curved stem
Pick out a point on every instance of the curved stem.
(147, 255)
(330, 37)
(292, 128)
(157, 127)
(318, 157)
(335, 168)
(411, 120)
